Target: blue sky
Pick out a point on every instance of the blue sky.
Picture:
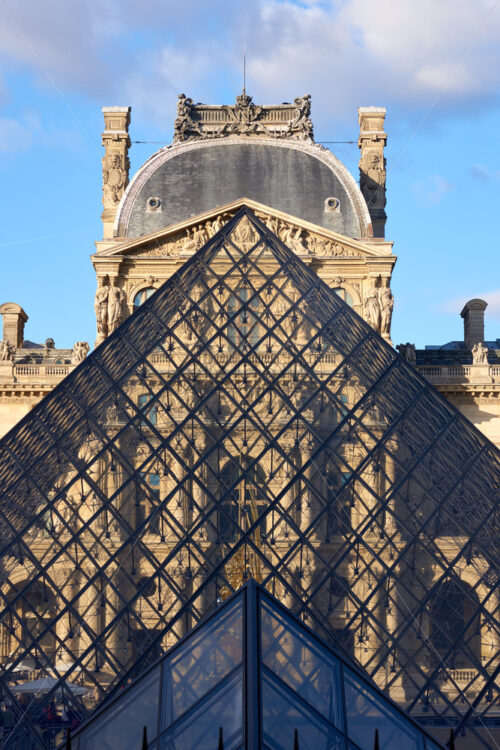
(434, 64)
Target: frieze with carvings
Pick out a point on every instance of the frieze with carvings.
(301, 241)
(201, 121)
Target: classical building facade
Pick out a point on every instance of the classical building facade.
(245, 415)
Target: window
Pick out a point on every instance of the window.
(150, 413)
(338, 514)
(344, 294)
(243, 315)
(142, 296)
(148, 501)
(243, 504)
(454, 625)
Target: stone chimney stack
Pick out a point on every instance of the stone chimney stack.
(14, 319)
(473, 315)
(115, 164)
(371, 141)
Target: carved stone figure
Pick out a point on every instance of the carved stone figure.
(479, 354)
(408, 352)
(115, 307)
(101, 307)
(243, 116)
(185, 126)
(372, 308)
(80, 351)
(386, 301)
(115, 179)
(301, 124)
(7, 352)
(372, 180)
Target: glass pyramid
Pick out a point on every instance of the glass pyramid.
(254, 674)
(246, 423)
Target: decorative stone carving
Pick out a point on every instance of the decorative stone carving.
(101, 307)
(479, 354)
(372, 307)
(7, 352)
(114, 179)
(115, 306)
(386, 302)
(80, 351)
(243, 118)
(408, 352)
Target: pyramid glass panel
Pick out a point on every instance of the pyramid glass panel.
(244, 422)
(280, 658)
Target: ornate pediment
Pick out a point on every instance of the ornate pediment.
(195, 121)
(307, 240)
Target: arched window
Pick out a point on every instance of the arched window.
(338, 500)
(454, 625)
(344, 294)
(243, 504)
(243, 309)
(142, 296)
(27, 620)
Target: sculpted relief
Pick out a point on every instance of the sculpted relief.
(115, 179)
(108, 306)
(301, 241)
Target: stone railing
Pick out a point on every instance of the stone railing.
(475, 374)
(22, 372)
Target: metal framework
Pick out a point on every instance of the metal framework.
(253, 676)
(243, 423)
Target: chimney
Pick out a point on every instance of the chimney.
(14, 319)
(371, 141)
(473, 315)
(115, 164)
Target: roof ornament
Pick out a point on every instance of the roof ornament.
(244, 117)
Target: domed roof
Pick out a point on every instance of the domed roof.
(297, 177)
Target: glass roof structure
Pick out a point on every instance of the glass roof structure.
(257, 673)
(243, 423)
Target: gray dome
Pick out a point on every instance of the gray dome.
(185, 180)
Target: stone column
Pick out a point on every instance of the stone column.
(115, 164)
(371, 141)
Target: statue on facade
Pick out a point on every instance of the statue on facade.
(479, 354)
(101, 307)
(80, 351)
(301, 125)
(372, 308)
(386, 302)
(185, 126)
(115, 307)
(408, 352)
(372, 180)
(7, 352)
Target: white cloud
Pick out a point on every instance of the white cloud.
(345, 52)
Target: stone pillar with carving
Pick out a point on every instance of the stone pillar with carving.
(115, 164)
(371, 141)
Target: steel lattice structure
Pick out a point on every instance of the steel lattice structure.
(245, 422)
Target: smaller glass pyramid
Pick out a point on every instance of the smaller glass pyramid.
(252, 674)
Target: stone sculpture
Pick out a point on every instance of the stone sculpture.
(479, 354)
(408, 352)
(7, 352)
(372, 308)
(386, 302)
(101, 307)
(80, 351)
(115, 308)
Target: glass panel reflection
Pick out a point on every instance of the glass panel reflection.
(122, 724)
(200, 728)
(366, 712)
(282, 714)
(298, 661)
(203, 661)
